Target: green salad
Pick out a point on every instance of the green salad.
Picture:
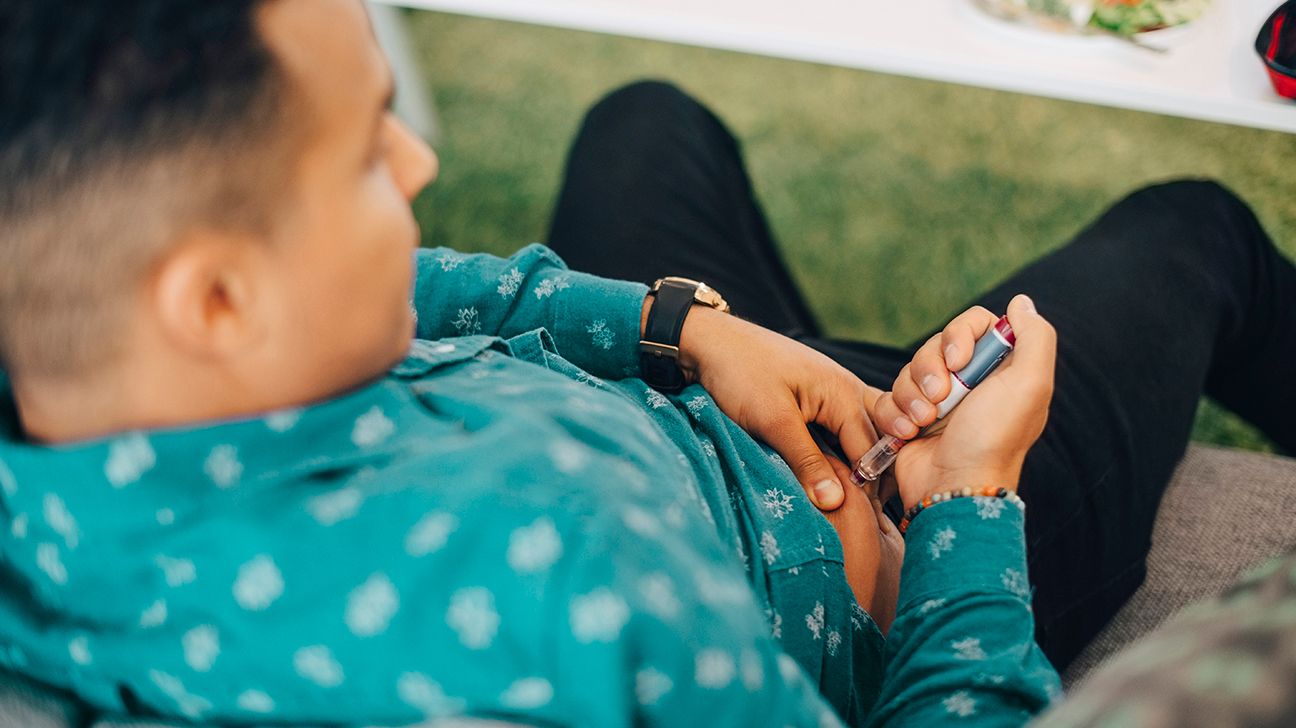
(1121, 16)
(1136, 16)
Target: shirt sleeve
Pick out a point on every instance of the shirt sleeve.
(594, 321)
(962, 650)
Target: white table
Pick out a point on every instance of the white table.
(1211, 72)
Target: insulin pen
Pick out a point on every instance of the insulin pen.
(990, 349)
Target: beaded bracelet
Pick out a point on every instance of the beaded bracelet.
(989, 491)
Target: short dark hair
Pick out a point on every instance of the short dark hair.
(122, 124)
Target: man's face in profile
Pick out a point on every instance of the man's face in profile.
(346, 232)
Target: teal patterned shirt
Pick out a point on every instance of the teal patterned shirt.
(508, 525)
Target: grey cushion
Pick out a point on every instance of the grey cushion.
(1225, 510)
(24, 704)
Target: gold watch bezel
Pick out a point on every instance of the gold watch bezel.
(702, 293)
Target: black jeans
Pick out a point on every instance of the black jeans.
(1173, 292)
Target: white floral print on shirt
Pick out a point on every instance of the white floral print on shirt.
(769, 548)
(714, 669)
(509, 282)
(372, 427)
(258, 583)
(473, 617)
(1016, 582)
(430, 533)
(777, 503)
(336, 506)
(427, 695)
(601, 336)
(61, 521)
(942, 542)
(598, 616)
(255, 701)
(154, 616)
(371, 606)
(79, 650)
(656, 399)
(650, 685)
(528, 693)
(317, 664)
(223, 466)
(989, 508)
(815, 620)
(550, 286)
(534, 548)
(8, 483)
(968, 648)
(201, 646)
(176, 571)
(658, 592)
(129, 458)
(960, 703)
(467, 322)
(449, 261)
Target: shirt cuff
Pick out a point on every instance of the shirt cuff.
(975, 544)
(598, 329)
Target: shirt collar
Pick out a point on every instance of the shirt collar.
(202, 459)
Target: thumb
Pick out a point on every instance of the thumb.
(793, 442)
(1036, 346)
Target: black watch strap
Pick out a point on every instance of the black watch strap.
(659, 349)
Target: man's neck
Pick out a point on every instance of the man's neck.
(137, 397)
(54, 411)
(84, 408)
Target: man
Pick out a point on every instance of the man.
(222, 507)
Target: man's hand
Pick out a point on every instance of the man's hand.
(989, 433)
(772, 386)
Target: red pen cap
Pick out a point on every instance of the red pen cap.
(1005, 330)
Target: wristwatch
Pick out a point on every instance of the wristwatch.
(673, 298)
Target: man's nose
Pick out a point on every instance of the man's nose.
(416, 165)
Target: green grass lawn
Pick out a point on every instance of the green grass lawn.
(911, 196)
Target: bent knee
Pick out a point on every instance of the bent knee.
(644, 106)
(1208, 213)
(1189, 193)
(645, 94)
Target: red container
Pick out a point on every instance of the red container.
(1276, 45)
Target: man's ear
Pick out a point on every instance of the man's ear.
(205, 291)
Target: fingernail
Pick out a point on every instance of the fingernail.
(919, 409)
(951, 351)
(1028, 303)
(827, 491)
(930, 382)
(904, 426)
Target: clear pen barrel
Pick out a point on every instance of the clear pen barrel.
(876, 460)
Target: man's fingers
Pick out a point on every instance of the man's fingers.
(792, 440)
(840, 468)
(849, 420)
(926, 382)
(919, 403)
(891, 419)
